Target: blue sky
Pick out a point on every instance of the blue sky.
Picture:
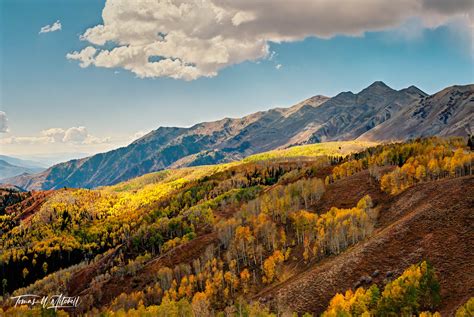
(41, 89)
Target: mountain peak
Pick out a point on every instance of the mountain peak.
(377, 87)
(414, 91)
(379, 84)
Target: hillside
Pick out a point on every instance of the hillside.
(318, 119)
(429, 221)
(10, 195)
(276, 232)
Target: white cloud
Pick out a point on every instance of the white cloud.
(73, 135)
(86, 56)
(191, 39)
(3, 122)
(55, 135)
(243, 17)
(272, 55)
(56, 26)
(278, 66)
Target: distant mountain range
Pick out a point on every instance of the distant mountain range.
(11, 166)
(376, 113)
(43, 159)
(24, 162)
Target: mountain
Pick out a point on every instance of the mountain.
(12, 167)
(448, 112)
(9, 170)
(346, 116)
(35, 165)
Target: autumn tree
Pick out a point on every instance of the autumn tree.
(270, 266)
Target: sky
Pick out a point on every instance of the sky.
(84, 76)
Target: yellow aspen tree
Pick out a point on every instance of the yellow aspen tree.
(245, 278)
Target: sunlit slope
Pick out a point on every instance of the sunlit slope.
(167, 179)
(170, 179)
(311, 150)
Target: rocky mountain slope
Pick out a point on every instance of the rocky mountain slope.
(346, 116)
(448, 112)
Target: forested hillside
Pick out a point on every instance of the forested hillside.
(278, 232)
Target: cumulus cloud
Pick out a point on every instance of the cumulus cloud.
(73, 135)
(278, 66)
(85, 57)
(56, 26)
(55, 135)
(3, 122)
(190, 39)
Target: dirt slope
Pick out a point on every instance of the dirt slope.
(345, 193)
(433, 221)
(31, 205)
(22, 204)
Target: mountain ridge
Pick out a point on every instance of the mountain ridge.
(346, 116)
(431, 115)
(8, 169)
(22, 162)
